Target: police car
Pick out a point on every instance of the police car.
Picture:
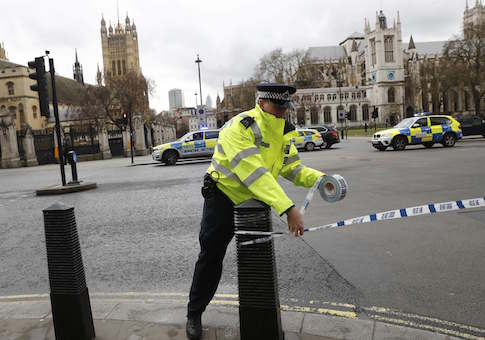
(192, 145)
(307, 139)
(423, 129)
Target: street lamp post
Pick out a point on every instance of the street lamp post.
(198, 61)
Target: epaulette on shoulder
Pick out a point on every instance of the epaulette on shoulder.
(288, 127)
(247, 121)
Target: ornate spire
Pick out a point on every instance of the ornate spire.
(103, 23)
(466, 6)
(398, 18)
(3, 53)
(411, 45)
(99, 77)
(78, 70)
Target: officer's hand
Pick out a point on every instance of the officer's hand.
(295, 221)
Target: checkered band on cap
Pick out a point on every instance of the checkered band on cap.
(286, 96)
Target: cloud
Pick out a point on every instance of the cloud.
(229, 36)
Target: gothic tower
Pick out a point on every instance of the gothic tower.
(77, 70)
(120, 48)
(385, 68)
(475, 15)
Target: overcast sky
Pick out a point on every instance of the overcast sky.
(230, 36)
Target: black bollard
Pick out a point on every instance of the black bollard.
(71, 309)
(72, 159)
(259, 305)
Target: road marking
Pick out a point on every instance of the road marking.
(350, 313)
(427, 327)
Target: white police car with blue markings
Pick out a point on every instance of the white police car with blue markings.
(424, 129)
(192, 145)
(307, 139)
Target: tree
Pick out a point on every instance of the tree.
(98, 104)
(295, 67)
(286, 68)
(466, 58)
(438, 77)
(131, 91)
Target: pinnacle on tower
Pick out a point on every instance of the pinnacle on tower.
(411, 45)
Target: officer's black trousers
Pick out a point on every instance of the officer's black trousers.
(216, 231)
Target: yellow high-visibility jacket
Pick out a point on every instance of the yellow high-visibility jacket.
(253, 148)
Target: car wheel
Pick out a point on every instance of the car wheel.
(324, 145)
(328, 146)
(399, 143)
(382, 148)
(449, 140)
(428, 145)
(309, 146)
(171, 158)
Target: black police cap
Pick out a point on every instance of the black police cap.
(275, 88)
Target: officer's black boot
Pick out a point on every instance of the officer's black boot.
(194, 327)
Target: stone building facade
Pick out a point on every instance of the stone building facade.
(369, 70)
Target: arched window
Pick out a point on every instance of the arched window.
(113, 67)
(327, 114)
(2, 107)
(365, 112)
(391, 95)
(314, 115)
(21, 114)
(10, 88)
(118, 65)
(34, 111)
(353, 113)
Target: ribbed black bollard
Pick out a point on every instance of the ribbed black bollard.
(71, 309)
(259, 305)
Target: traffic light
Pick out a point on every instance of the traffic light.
(375, 113)
(124, 118)
(41, 85)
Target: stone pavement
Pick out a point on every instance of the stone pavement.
(137, 317)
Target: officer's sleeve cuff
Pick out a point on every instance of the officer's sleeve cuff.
(286, 211)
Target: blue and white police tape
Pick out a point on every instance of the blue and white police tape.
(427, 209)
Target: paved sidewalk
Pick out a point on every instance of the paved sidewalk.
(163, 318)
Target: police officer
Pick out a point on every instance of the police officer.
(253, 148)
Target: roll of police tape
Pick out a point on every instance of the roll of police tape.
(333, 188)
(427, 209)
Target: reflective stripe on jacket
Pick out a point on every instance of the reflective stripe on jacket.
(249, 157)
